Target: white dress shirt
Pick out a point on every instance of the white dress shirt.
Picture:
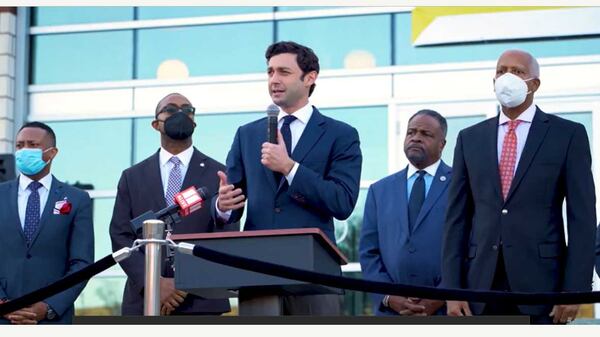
(165, 165)
(296, 129)
(24, 192)
(522, 130)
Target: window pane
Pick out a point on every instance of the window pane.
(347, 232)
(584, 118)
(205, 50)
(455, 124)
(82, 57)
(371, 124)
(103, 209)
(101, 297)
(145, 13)
(47, 16)
(92, 152)
(344, 42)
(214, 133)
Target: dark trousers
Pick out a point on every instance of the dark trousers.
(498, 308)
(257, 304)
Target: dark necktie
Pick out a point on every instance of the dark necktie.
(287, 138)
(415, 202)
(286, 133)
(32, 212)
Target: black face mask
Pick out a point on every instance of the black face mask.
(179, 126)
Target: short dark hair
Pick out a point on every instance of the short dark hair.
(433, 114)
(42, 126)
(157, 112)
(305, 57)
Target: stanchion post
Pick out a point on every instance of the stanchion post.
(153, 229)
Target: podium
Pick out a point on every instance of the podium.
(305, 248)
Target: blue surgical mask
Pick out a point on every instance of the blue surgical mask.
(29, 161)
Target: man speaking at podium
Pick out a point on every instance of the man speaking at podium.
(152, 185)
(305, 179)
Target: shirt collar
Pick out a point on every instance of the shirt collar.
(303, 114)
(24, 181)
(431, 169)
(525, 116)
(185, 157)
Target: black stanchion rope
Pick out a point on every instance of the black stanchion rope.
(63, 284)
(391, 288)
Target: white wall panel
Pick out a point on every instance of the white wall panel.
(80, 104)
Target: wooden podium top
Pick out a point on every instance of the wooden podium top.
(269, 232)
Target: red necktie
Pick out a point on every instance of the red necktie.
(508, 159)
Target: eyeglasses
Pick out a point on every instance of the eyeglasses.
(171, 109)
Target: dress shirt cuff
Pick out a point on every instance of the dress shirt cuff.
(290, 176)
(223, 215)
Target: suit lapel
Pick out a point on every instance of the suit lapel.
(196, 169)
(492, 155)
(155, 186)
(310, 136)
(13, 207)
(55, 194)
(403, 205)
(537, 133)
(438, 185)
(312, 133)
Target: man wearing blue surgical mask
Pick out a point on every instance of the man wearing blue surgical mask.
(504, 226)
(47, 231)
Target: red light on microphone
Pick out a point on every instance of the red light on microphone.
(189, 200)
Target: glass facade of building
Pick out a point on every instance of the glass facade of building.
(96, 74)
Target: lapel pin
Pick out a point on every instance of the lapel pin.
(443, 178)
(201, 164)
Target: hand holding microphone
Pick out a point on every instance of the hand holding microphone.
(274, 154)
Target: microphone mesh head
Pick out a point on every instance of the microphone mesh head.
(272, 110)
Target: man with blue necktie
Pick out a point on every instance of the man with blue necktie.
(309, 177)
(47, 231)
(401, 237)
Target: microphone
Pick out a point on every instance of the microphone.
(186, 202)
(272, 113)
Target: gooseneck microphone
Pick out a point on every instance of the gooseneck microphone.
(272, 113)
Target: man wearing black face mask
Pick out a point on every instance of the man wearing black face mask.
(152, 185)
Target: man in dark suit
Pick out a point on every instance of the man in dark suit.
(47, 231)
(152, 185)
(311, 176)
(504, 227)
(401, 236)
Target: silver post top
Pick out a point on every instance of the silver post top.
(154, 229)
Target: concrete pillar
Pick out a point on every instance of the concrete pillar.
(8, 28)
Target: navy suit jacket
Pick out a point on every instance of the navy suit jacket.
(388, 251)
(555, 165)
(140, 190)
(325, 186)
(62, 245)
